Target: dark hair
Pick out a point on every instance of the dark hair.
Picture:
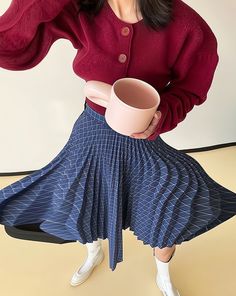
(156, 13)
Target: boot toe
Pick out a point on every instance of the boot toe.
(79, 277)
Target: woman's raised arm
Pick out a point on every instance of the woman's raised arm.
(29, 27)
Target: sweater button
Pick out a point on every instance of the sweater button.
(122, 58)
(125, 31)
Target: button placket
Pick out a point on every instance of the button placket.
(125, 31)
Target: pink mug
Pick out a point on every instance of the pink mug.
(130, 103)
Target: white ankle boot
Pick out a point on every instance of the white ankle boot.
(95, 257)
(163, 279)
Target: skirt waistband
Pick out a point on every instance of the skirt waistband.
(88, 110)
(93, 113)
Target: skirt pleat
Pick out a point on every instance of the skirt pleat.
(103, 182)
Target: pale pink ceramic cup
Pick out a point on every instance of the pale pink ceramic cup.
(130, 103)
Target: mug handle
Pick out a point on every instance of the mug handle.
(98, 92)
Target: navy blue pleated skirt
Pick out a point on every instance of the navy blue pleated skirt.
(102, 182)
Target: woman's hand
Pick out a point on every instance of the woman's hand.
(151, 128)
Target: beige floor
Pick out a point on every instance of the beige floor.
(204, 266)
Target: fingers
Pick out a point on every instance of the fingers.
(155, 121)
(151, 128)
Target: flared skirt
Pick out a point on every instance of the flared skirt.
(102, 182)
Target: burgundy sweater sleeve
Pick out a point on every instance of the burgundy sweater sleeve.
(28, 28)
(192, 73)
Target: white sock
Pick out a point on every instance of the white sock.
(93, 250)
(163, 269)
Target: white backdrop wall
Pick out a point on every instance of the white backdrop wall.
(39, 106)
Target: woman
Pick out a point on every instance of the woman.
(102, 182)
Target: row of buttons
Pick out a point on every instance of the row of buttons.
(125, 32)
